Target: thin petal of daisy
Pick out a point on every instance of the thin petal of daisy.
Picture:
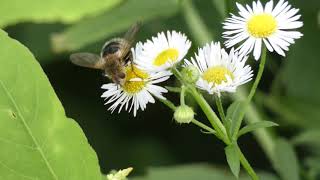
(220, 71)
(257, 25)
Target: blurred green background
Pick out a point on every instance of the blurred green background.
(288, 94)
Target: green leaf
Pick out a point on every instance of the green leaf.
(285, 160)
(234, 116)
(37, 140)
(112, 22)
(15, 11)
(303, 72)
(256, 125)
(233, 159)
(309, 137)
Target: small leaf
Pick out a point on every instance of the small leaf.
(309, 137)
(285, 160)
(37, 140)
(255, 126)
(233, 159)
(234, 116)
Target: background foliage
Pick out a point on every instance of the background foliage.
(151, 143)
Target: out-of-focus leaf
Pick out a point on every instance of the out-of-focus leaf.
(309, 137)
(233, 159)
(193, 172)
(294, 112)
(15, 11)
(112, 22)
(196, 24)
(255, 126)
(37, 140)
(301, 73)
(313, 164)
(285, 160)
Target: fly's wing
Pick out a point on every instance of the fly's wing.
(88, 60)
(129, 37)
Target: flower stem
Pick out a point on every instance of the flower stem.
(220, 109)
(259, 75)
(252, 91)
(211, 115)
(194, 121)
(168, 103)
(182, 94)
(246, 165)
(203, 126)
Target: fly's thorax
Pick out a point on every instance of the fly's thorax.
(111, 47)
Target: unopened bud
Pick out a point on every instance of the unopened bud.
(190, 74)
(183, 114)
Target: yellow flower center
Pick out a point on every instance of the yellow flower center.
(134, 81)
(262, 25)
(217, 74)
(170, 54)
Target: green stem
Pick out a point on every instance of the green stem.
(246, 165)
(220, 109)
(194, 121)
(182, 94)
(259, 75)
(252, 91)
(211, 115)
(168, 103)
(203, 126)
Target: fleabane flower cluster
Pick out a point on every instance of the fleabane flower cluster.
(217, 70)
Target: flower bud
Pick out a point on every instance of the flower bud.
(119, 175)
(190, 74)
(183, 114)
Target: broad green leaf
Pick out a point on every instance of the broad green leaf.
(234, 116)
(15, 11)
(255, 126)
(233, 159)
(285, 160)
(194, 172)
(37, 140)
(112, 22)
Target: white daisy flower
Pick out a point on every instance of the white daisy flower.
(220, 71)
(272, 26)
(138, 87)
(162, 52)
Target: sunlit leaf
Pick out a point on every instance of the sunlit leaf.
(112, 22)
(255, 126)
(37, 140)
(15, 11)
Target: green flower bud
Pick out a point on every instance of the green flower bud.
(183, 114)
(190, 74)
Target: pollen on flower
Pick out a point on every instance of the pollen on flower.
(170, 54)
(262, 25)
(135, 80)
(217, 74)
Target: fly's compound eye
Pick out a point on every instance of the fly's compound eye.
(122, 75)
